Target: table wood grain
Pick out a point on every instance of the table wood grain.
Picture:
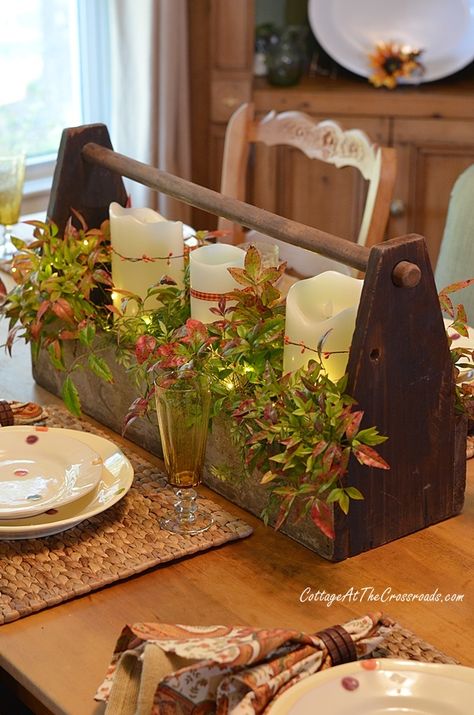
(56, 658)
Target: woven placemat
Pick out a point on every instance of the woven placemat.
(402, 643)
(124, 540)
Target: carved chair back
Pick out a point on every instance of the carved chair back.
(325, 141)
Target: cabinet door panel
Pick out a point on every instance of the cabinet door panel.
(431, 155)
(285, 181)
(232, 34)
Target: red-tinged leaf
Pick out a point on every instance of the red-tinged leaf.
(44, 305)
(63, 310)
(3, 289)
(322, 517)
(329, 455)
(446, 304)
(368, 456)
(318, 448)
(114, 310)
(122, 291)
(268, 477)
(80, 218)
(239, 275)
(459, 285)
(284, 511)
(461, 314)
(102, 276)
(68, 335)
(354, 424)
(35, 329)
(460, 328)
(11, 338)
(137, 409)
(144, 348)
(289, 442)
(253, 261)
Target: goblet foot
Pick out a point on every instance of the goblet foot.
(187, 519)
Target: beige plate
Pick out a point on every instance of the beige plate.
(376, 687)
(115, 481)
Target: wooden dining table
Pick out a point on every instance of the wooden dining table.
(55, 659)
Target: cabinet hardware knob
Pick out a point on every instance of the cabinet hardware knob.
(230, 101)
(397, 208)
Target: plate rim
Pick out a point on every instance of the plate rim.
(34, 530)
(282, 704)
(316, 11)
(62, 498)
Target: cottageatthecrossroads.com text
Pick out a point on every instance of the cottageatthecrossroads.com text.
(369, 594)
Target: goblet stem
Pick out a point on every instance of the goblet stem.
(186, 518)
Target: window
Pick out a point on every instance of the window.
(54, 68)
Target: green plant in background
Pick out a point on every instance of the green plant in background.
(462, 358)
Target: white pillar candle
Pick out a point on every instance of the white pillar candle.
(139, 232)
(314, 306)
(210, 279)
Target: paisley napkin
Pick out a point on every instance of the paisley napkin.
(21, 413)
(158, 668)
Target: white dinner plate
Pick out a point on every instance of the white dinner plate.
(443, 29)
(115, 480)
(42, 468)
(391, 686)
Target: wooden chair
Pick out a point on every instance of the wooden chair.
(325, 141)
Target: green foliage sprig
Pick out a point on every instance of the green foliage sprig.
(299, 430)
(56, 279)
(462, 357)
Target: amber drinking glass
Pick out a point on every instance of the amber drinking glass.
(182, 407)
(12, 175)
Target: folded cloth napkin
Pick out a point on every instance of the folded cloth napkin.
(160, 669)
(20, 413)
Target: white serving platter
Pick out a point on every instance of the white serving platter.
(443, 29)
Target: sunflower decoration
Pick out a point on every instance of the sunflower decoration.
(392, 62)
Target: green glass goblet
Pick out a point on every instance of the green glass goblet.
(12, 175)
(182, 407)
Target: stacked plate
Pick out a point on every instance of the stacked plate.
(51, 479)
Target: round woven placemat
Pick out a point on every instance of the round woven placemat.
(124, 540)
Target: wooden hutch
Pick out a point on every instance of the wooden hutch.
(431, 126)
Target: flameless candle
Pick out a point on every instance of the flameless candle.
(210, 279)
(314, 306)
(135, 233)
